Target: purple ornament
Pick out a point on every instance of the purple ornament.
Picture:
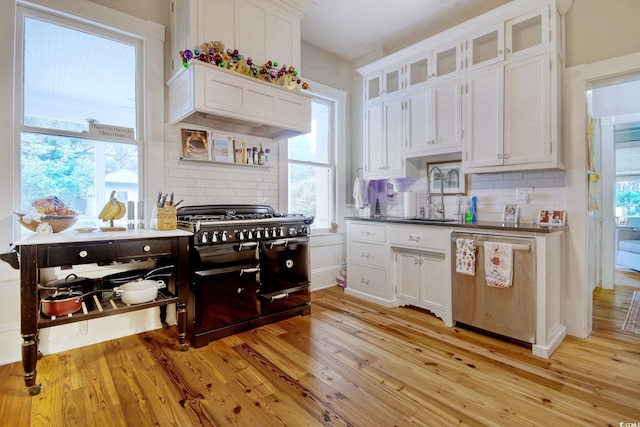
(188, 54)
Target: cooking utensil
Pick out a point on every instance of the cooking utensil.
(61, 304)
(139, 291)
(123, 277)
(72, 281)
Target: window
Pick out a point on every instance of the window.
(311, 177)
(627, 143)
(79, 134)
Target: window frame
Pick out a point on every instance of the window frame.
(338, 158)
(149, 87)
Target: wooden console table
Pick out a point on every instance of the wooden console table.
(72, 248)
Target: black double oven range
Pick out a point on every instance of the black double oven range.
(249, 266)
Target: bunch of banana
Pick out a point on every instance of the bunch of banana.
(113, 209)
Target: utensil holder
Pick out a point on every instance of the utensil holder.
(164, 218)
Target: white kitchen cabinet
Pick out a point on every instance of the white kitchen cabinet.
(509, 116)
(420, 268)
(419, 278)
(383, 139)
(433, 119)
(367, 257)
(263, 30)
(509, 40)
(383, 84)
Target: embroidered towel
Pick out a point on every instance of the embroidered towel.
(465, 256)
(360, 193)
(498, 264)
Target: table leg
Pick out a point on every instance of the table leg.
(29, 360)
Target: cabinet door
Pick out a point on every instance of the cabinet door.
(432, 275)
(417, 120)
(374, 149)
(526, 33)
(407, 276)
(393, 131)
(417, 70)
(372, 87)
(446, 117)
(486, 47)
(392, 78)
(484, 124)
(446, 61)
(527, 136)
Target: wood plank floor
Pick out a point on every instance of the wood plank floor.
(349, 363)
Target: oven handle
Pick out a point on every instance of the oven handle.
(247, 245)
(278, 243)
(277, 297)
(249, 270)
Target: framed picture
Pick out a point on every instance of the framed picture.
(511, 213)
(195, 145)
(222, 148)
(550, 217)
(447, 175)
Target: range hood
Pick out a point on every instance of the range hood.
(206, 95)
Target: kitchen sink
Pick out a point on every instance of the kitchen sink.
(433, 219)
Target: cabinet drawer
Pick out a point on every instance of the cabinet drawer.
(85, 253)
(368, 253)
(372, 233)
(141, 248)
(419, 237)
(368, 280)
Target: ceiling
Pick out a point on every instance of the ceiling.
(352, 28)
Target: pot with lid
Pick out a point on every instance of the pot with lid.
(139, 291)
(70, 283)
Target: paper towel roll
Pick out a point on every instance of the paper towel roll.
(410, 205)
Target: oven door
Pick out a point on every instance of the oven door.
(284, 264)
(225, 297)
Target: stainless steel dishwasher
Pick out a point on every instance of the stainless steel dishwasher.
(510, 311)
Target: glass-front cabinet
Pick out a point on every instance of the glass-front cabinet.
(508, 40)
(383, 85)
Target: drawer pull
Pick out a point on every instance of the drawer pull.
(83, 254)
(414, 239)
(365, 281)
(365, 255)
(146, 248)
(366, 233)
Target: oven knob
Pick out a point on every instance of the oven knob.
(304, 229)
(239, 235)
(293, 231)
(274, 232)
(281, 231)
(258, 234)
(250, 234)
(266, 233)
(224, 236)
(214, 237)
(203, 237)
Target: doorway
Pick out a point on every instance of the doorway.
(614, 108)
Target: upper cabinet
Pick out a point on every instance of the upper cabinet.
(487, 90)
(265, 30)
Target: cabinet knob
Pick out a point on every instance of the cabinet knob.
(499, 156)
(506, 156)
(508, 50)
(500, 52)
(83, 254)
(146, 248)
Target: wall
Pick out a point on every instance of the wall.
(602, 29)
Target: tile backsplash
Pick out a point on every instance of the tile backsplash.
(200, 182)
(492, 190)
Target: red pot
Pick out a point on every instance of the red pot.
(62, 304)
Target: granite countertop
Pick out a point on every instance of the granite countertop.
(486, 225)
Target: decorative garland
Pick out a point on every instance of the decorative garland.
(214, 53)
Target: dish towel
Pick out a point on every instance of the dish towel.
(498, 264)
(465, 257)
(360, 193)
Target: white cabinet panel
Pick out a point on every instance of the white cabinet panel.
(367, 232)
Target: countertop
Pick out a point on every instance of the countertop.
(72, 236)
(486, 225)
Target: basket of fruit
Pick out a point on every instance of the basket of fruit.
(50, 210)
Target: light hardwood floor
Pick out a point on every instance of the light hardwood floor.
(348, 363)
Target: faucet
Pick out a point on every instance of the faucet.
(439, 210)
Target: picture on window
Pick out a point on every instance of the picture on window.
(447, 176)
(549, 217)
(195, 145)
(511, 213)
